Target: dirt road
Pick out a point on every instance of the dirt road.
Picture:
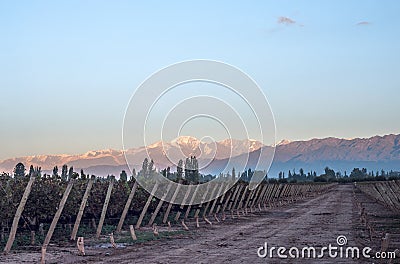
(314, 222)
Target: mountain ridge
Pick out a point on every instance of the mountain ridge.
(178, 148)
(377, 152)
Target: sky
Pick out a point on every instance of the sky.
(68, 68)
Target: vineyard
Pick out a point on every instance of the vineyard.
(41, 214)
(35, 211)
(379, 213)
(385, 192)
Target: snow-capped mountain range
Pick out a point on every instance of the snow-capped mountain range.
(375, 153)
(163, 153)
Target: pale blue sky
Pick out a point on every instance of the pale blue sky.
(68, 68)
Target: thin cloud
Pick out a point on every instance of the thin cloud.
(285, 21)
(363, 23)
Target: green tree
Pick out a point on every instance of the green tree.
(71, 173)
(31, 171)
(55, 171)
(145, 165)
(151, 168)
(83, 176)
(19, 170)
(329, 173)
(123, 176)
(179, 170)
(64, 172)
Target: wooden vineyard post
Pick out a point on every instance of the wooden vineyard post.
(274, 194)
(18, 214)
(263, 200)
(293, 193)
(227, 201)
(234, 200)
(196, 214)
(82, 208)
(132, 230)
(282, 194)
(191, 202)
(184, 225)
(55, 219)
(394, 194)
(178, 214)
(160, 203)
(267, 199)
(112, 240)
(209, 202)
(126, 208)
(255, 198)
(292, 189)
(288, 194)
(240, 205)
(165, 218)
(105, 206)
(81, 246)
(271, 195)
(249, 199)
(385, 193)
(146, 206)
(221, 203)
(216, 199)
(155, 230)
(297, 192)
(385, 242)
(258, 201)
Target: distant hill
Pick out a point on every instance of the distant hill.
(375, 153)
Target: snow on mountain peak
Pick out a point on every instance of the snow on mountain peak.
(186, 140)
(283, 142)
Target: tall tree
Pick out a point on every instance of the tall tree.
(188, 166)
(179, 170)
(55, 171)
(19, 170)
(31, 171)
(123, 176)
(151, 168)
(71, 173)
(145, 165)
(83, 176)
(196, 174)
(64, 172)
(329, 173)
